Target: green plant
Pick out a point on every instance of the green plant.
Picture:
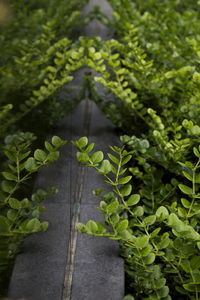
(161, 246)
(19, 209)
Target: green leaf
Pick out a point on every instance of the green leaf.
(89, 148)
(4, 224)
(149, 259)
(114, 218)
(12, 214)
(163, 292)
(187, 175)
(195, 262)
(150, 220)
(126, 160)
(162, 213)
(142, 241)
(31, 164)
(155, 232)
(97, 157)
(40, 155)
(53, 156)
(81, 227)
(121, 226)
(160, 283)
(105, 167)
(7, 186)
(133, 199)
(113, 158)
(33, 225)
(164, 243)
(126, 190)
(82, 142)
(185, 189)
(48, 146)
(57, 141)
(44, 226)
(191, 287)
(9, 176)
(91, 226)
(14, 203)
(185, 203)
(112, 207)
(196, 152)
(82, 157)
(138, 211)
(124, 180)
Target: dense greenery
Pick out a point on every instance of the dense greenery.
(151, 69)
(34, 39)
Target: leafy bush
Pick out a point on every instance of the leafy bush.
(158, 232)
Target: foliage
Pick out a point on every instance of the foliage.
(20, 210)
(161, 245)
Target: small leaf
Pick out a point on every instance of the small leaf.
(149, 259)
(14, 203)
(97, 157)
(162, 213)
(124, 180)
(164, 243)
(160, 283)
(44, 226)
(133, 199)
(196, 152)
(113, 158)
(150, 220)
(105, 167)
(138, 211)
(188, 176)
(82, 157)
(112, 207)
(33, 225)
(56, 141)
(48, 146)
(185, 203)
(40, 155)
(82, 142)
(81, 227)
(121, 226)
(12, 214)
(155, 232)
(126, 190)
(163, 292)
(114, 218)
(7, 186)
(9, 176)
(31, 165)
(53, 156)
(89, 148)
(126, 160)
(142, 241)
(91, 226)
(185, 189)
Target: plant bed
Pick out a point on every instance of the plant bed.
(151, 205)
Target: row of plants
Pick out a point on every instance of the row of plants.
(152, 68)
(34, 37)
